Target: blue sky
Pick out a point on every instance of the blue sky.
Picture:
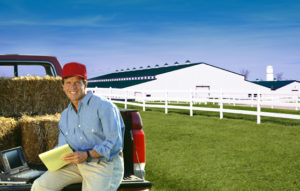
(109, 35)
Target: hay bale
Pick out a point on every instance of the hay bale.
(9, 133)
(32, 138)
(31, 95)
(51, 131)
(39, 134)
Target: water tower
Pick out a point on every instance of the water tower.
(269, 73)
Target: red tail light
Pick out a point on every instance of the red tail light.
(139, 144)
(136, 121)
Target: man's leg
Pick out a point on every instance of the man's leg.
(118, 173)
(55, 181)
(102, 176)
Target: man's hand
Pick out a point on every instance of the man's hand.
(76, 157)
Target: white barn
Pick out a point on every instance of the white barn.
(281, 87)
(184, 77)
(291, 87)
(197, 77)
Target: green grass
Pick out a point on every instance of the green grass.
(205, 153)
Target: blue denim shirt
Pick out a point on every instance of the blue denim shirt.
(97, 125)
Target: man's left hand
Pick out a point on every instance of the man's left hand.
(76, 157)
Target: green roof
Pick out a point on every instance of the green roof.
(117, 84)
(274, 84)
(143, 72)
(148, 72)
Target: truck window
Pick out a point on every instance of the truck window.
(34, 70)
(24, 70)
(6, 71)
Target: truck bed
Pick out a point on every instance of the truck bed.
(130, 181)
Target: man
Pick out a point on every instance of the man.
(94, 129)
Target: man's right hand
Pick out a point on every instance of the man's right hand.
(75, 157)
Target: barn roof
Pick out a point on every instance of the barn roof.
(273, 85)
(128, 78)
(116, 84)
(132, 77)
(143, 72)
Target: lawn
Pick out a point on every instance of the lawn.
(204, 152)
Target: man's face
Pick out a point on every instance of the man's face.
(74, 88)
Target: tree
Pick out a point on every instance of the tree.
(245, 73)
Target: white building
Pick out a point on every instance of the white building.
(184, 77)
(199, 77)
(281, 87)
(269, 73)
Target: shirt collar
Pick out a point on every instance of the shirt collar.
(84, 100)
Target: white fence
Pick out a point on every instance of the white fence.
(164, 99)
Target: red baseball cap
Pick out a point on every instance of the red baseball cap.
(74, 69)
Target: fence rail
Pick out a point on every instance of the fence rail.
(163, 99)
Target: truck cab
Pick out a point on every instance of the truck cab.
(15, 65)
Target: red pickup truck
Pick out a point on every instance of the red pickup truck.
(134, 138)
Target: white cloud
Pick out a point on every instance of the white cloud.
(95, 21)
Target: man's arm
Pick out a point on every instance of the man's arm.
(80, 156)
(111, 121)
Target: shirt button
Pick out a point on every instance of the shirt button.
(78, 125)
(93, 130)
(80, 137)
(66, 133)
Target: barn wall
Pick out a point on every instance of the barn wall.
(200, 76)
(292, 87)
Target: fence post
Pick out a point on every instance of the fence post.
(126, 95)
(258, 107)
(252, 99)
(166, 102)
(272, 96)
(206, 96)
(191, 102)
(233, 99)
(221, 104)
(297, 102)
(144, 100)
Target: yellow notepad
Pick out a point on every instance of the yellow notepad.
(53, 158)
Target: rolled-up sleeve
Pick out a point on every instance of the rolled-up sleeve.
(109, 116)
